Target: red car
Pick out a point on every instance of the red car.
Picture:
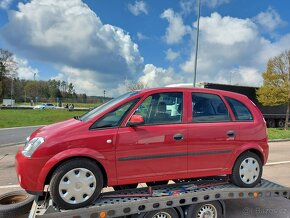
(151, 136)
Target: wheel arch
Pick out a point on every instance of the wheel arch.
(52, 170)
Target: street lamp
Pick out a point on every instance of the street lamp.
(196, 45)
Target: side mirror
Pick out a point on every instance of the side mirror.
(136, 120)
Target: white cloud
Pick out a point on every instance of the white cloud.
(5, 4)
(138, 8)
(232, 46)
(215, 3)
(24, 70)
(176, 29)
(171, 55)
(269, 20)
(157, 77)
(141, 36)
(68, 33)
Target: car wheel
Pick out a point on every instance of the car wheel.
(123, 187)
(156, 183)
(76, 183)
(16, 203)
(247, 170)
(211, 209)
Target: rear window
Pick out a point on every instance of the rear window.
(241, 112)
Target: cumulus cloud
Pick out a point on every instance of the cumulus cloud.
(157, 77)
(68, 33)
(188, 6)
(141, 36)
(215, 3)
(269, 20)
(171, 55)
(138, 7)
(176, 29)
(234, 46)
(24, 70)
(5, 4)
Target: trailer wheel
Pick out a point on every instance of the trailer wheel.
(15, 203)
(281, 123)
(271, 123)
(247, 170)
(76, 183)
(123, 187)
(164, 213)
(210, 209)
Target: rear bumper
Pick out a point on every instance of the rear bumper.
(28, 171)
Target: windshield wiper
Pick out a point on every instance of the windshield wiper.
(77, 117)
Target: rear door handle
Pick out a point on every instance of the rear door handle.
(178, 136)
(231, 133)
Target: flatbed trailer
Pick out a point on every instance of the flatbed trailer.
(180, 197)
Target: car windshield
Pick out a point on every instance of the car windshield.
(105, 106)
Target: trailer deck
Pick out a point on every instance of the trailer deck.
(134, 201)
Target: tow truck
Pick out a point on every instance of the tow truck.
(194, 198)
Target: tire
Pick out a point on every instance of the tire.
(241, 176)
(156, 183)
(123, 187)
(87, 182)
(15, 203)
(211, 209)
(271, 123)
(164, 213)
(280, 123)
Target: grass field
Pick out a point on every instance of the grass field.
(15, 118)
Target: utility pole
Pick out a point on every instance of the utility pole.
(34, 76)
(11, 91)
(104, 96)
(196, 41)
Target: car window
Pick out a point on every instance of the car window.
(208, 108)
(115, 117)
(162, 108)
(240, 111)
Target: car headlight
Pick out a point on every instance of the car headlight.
(31, 146)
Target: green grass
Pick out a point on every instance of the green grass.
(277, 133)
(16, 118)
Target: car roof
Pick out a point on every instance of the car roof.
(187, 89)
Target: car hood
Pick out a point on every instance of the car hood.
(57, 129)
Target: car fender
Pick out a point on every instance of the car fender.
(70, 153)
(246, 147)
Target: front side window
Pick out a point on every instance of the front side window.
(208, 108)
(240, 111)
(162, 108)
(115, 117)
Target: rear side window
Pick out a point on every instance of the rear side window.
(208, 108)
(240, 111)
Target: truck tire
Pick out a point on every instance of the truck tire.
(271, 123)
(15, 203)
(280, 123)
(211, 209)
(164, 213)
(76, 183)
(247, 170)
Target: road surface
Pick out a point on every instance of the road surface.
(12, 136)
(277, 170)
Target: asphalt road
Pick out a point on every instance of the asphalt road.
(277, 170)
(12, 136)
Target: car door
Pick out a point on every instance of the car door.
(156, 150)
(212, 135)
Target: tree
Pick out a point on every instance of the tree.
(8, 67)
(276, 84)
(133, 86)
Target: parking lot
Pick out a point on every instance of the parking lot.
(277, 170)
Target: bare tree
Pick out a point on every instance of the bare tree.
(8, 70)
(135, 85)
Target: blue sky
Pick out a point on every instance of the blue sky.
(102, 45)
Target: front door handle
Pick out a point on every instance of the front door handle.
(178, 137)
(231, 133)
